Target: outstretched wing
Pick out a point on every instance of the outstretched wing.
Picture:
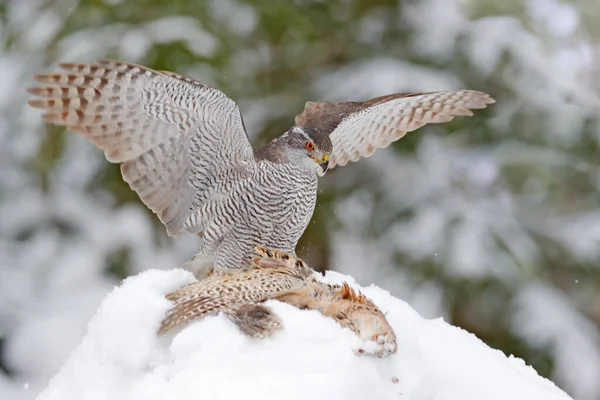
(357, 129)
(173, 136)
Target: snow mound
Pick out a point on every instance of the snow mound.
(312, 357)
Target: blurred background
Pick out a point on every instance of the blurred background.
(491, 222)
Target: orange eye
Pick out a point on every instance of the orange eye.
(310, 146)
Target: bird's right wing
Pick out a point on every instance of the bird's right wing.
(173, 136)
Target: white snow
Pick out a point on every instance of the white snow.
(121, 357)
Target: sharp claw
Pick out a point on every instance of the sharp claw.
(261, 250)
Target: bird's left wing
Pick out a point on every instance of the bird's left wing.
(357, 129)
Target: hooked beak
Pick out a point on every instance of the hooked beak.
(323, 163)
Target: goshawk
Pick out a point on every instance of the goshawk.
(183, 148)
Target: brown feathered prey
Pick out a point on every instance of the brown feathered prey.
(280, 276)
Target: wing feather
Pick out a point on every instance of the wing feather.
(358, 129)
(167, 131)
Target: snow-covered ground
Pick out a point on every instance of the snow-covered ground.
(121, 357)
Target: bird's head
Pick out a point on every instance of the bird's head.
(308, 148)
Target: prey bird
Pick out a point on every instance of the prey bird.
(276, 275)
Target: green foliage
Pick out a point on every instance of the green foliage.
(279, 55)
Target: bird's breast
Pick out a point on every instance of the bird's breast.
(285, 191)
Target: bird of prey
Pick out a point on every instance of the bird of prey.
(278, 275)
(182, 146)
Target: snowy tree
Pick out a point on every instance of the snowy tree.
(491, 222)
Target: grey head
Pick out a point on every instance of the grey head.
(303, 146)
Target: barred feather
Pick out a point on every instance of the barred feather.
(229, 291)
(167, 131)
(357, 129)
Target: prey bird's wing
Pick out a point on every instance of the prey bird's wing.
(357, 129)
(230, 291)
(173, 136)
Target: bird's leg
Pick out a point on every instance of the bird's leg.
(254, 320)
(202, 264)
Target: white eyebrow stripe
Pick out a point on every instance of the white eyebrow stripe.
(303, 133)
